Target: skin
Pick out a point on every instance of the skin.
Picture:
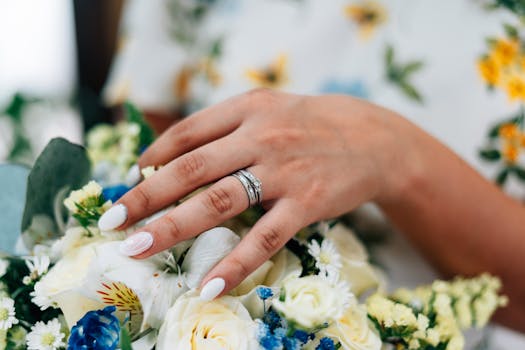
(320, 157)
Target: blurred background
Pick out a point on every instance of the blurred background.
(68, 65)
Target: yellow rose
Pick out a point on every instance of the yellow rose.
(193, 324)
(353, 330)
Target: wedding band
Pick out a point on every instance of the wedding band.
(256, 184)
(252, 185)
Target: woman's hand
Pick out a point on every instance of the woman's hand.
(317, 158)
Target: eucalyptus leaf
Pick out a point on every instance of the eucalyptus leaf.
(13, 181)
(61, 165)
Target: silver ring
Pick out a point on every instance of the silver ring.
(252, 185)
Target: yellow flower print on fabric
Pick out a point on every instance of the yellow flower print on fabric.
(503, 67)
(367, 15)
(513, 142)
(273, 76)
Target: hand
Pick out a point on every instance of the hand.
(317, 158)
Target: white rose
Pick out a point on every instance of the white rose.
(311, 301)
(353, 330)
(355, 270)
(192, 324)
(59, 286)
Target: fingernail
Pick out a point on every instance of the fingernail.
(113, 218)
(133, 176)
(136, 244)
(212, 289)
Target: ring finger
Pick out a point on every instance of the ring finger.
(209, 208)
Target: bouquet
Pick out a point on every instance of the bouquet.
(68, 287)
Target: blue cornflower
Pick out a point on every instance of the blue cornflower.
(272, 319)
(303, 336)
(113, 193)
(326, 344)
(97, 330)
(291, 343)
(264, 293)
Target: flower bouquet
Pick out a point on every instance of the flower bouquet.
(68, 287)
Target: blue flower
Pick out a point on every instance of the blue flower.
(272, 319)
(98, 330)
(303, 336)
(113, 193)
(264, 293)
(355, 88)
(325, 344)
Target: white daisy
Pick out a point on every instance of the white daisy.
(40, 297)
(327, 259)
(7, 313)
(46, 336)
(4, 264)
(38, 266)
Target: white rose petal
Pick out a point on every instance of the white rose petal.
(193, 324)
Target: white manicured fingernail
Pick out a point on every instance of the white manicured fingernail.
(133, 176)
(212, 289)
(136, 244)
(113, 218)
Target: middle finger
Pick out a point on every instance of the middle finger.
(177, 179)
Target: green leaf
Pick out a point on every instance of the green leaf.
(61, 165)
(502, 177)
(16, 106)
(389, 56)
(133, 115)
(125, 339)
(490, 154)
(412, 67)
(519, 172)
(511, 31)
(410, 91)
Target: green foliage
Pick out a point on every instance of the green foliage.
(515, 6)
(21, 149)
(490, 155)
(125, 339)
(307, 261)
(133, 115)
(400, 74)
(61, 165)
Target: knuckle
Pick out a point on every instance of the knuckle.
(261, 97)
(191, 167)
(218, 201)
(172, 228)
(239, 266)
(142, 196)
(269, 239)
(182, 133)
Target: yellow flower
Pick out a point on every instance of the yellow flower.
(511, 153)
(272, 76)
(209, 69)
(509, 131)
(516, 87)
(489, 70)
(368, 15)
(505, 52)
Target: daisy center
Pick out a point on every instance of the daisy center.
(4, 314)
(48, 339)
(324, 258)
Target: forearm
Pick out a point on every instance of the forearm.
(462, 223)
